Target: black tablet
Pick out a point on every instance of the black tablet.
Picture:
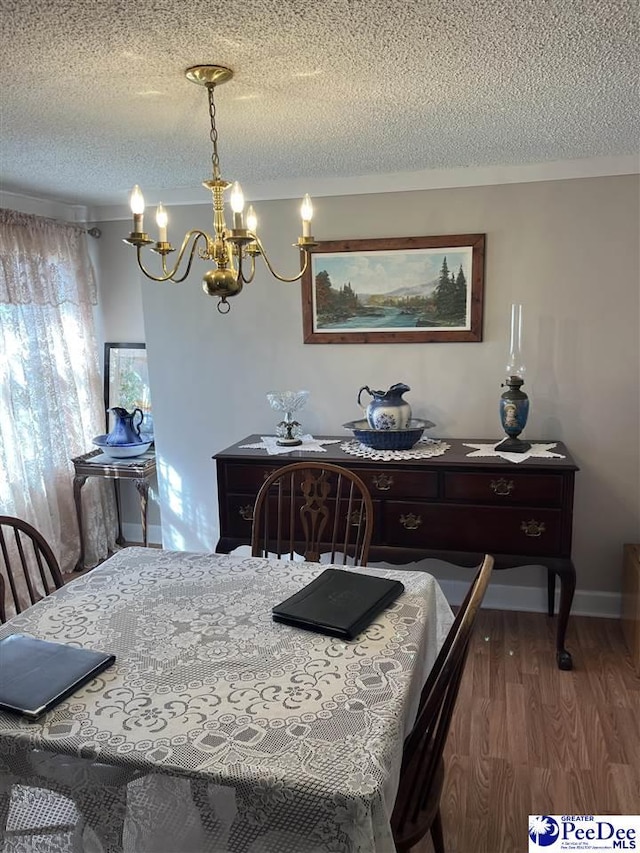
(35, 675)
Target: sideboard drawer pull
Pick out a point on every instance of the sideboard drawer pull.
(502, 486)
(382, 482)
(246, 512)
(532, 528)
(356, 519)
(411, 521)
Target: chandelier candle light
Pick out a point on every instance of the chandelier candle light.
(233, 250)
(514, 403)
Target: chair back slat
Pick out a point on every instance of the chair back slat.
(319, 508)
(24, 565)
(41, 567)
(348, 519)
(28, 567)
(314, 512)
(282, 518)
(10, 570)
(417, 805)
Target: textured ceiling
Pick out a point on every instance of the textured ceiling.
(94, 98)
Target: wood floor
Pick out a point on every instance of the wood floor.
(527, 738)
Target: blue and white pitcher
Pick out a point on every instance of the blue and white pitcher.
(387, 409)
(125, 430)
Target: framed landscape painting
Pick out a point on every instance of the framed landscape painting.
(394, 290)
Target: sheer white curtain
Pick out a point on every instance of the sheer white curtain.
(50, 390)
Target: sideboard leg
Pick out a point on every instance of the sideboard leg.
(567, 574)
(551, 591)
(78, 483)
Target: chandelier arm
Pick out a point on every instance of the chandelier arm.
(169, 274)
(237, 268)
(196, 234)
(274, 273)
(248, 279)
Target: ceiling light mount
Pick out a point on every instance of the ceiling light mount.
(231, 249)
(208, 75)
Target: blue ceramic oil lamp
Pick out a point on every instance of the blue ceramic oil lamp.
(514, 403)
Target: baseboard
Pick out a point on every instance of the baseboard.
(133, 533)
(533, 599)
(530, 599)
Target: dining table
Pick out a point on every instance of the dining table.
(218, 728)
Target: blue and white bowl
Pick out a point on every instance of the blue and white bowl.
(121, 451)
(389, 439)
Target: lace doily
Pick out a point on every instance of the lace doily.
(425, 448)
(537, 451)
(309, 444)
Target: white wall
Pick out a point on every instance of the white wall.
(568, 250)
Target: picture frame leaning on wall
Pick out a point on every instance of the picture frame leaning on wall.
(126, 380)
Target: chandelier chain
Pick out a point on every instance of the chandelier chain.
(215, 159)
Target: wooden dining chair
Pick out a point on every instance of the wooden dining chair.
(63, 792)
(28, 567)
(417, 805)
(28, 570)
(311, 508)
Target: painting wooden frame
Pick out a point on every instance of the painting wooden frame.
(126, 378)
(395, 290)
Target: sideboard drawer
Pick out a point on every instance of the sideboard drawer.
(399, 485)
(240, 516)
(247, 479)
(531, 489)
(506, 530)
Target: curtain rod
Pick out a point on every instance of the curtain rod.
(92, 232)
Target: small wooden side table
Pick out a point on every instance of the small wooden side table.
(140, 469)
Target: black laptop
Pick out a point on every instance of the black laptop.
(338, 603)
(35, 675)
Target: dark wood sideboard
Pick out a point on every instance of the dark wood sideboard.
(450, 507)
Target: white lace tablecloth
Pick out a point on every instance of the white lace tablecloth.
(233, 733)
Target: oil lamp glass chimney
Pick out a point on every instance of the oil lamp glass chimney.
(516, 367)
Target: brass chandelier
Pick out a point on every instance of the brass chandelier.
(233, 250)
